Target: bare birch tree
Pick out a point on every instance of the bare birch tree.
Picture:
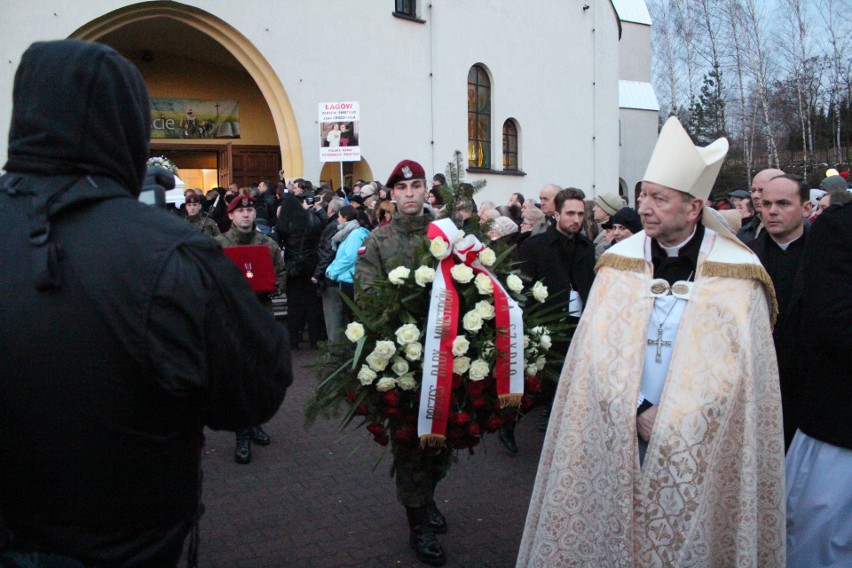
(734, 16)
(795, 45)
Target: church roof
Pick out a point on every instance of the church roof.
(634, 11)
(637, 95)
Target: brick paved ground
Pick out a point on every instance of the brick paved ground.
(306, 500)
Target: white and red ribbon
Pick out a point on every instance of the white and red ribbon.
(442, 330)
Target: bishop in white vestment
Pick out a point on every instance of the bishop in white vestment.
(665, 444)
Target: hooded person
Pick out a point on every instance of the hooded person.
(665, 444)
(102, 436)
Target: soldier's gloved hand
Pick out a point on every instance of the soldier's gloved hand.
(157, 177)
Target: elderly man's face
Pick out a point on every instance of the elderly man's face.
(546, 197)
(667, 215)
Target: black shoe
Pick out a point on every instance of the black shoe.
(422, 540)
(437, 522)
(243, 452)
(507, 438)
(258, 436)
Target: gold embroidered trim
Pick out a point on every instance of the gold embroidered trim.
(507, 400)
(746, 272)
(431, 440)
(619, 262)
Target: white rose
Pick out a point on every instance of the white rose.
(514, 283)
(439, 248)
(376, 362)
(385, 384)
(462, 273)
(487, 257)
(472, 321)
(532, 370)
(385, 349)
(366, 375)
(487, 348)
(407, 382)
(539, 329)
(424, 275)
(526, 341)
(545, 342)
(461, 365)
(483, 284)
(460, 345)
(407, 333)
(540, 363)
(354, 332)
(539, 291)
(485, 310)
(478, 370)
(398, 275)
(399, 366)
(413, 351)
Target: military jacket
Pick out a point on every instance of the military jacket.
(234, 238)
(205, 224)
(388, 247)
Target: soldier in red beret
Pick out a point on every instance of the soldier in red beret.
(197, 217)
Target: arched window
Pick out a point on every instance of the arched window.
(510, 146)
(478, 118)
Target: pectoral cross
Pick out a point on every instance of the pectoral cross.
(660, 344)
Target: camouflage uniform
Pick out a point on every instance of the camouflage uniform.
(417, 471)
(234, 238)
(204, 224)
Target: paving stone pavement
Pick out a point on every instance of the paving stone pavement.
(313, 499)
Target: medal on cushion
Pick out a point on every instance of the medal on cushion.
(249, 273)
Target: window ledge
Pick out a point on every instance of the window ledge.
(404, 16)
(495, 172)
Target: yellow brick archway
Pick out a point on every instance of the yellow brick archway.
(237, 44)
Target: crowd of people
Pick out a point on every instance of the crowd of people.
(702, 416)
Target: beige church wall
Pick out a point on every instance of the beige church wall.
(635, 64)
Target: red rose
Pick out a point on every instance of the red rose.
(393, 412)
(454, 434)
(381, 439)
(533, 384)
(405, 435)
(375, 429)
(460, 418)
(474, 430)
(478, 403)
(475, 388)
(493, 424)
(391, 398)
(351, 396)
(527, 402)
(458, 381)
(361, 409)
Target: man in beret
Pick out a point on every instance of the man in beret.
(665, 445)
(242, 213)
(102, 433)
(197, 217)
(417, 470)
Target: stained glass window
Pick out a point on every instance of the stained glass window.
(510, 145)
(478, 118)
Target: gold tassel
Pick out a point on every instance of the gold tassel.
(746, 272)
(431, 440)
(507, 400)
(618, 262)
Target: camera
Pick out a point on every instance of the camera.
(309, 200)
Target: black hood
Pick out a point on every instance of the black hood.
(79, 108)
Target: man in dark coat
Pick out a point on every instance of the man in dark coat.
(117, 347)
(564, 260)
(785, 205)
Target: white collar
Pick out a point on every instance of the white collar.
(675, 250)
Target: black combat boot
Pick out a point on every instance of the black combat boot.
(258, 436)
(422, 540)
(242, 453)
(437, 522)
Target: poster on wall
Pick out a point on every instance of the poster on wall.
(193, 118)
(339, 132)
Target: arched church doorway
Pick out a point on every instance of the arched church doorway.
(219, 111)
(351, 172)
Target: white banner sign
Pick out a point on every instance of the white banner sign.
(339, 132)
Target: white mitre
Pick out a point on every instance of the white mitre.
(679, 164)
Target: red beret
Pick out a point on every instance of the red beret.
(240, 201)
(844, 175)
(192, 197)
(405, 170)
